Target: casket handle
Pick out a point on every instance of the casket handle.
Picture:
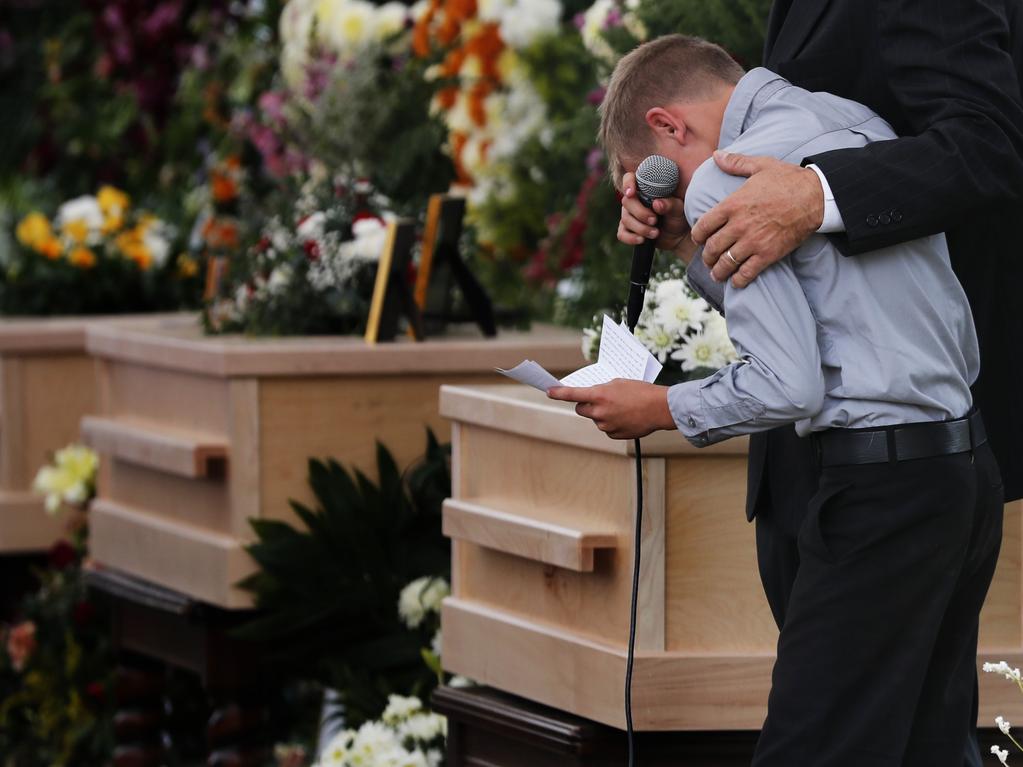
(190, 454)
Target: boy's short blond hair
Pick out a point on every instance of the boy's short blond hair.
(657, 73)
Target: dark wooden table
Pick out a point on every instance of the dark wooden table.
(489, 728)
(155, 630)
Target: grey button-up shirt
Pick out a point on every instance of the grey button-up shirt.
(825, 341)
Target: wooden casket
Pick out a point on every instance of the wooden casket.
(199, 434)
(541, 522)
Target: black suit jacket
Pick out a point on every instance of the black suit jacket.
(946, 74)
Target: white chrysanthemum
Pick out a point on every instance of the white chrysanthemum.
(400, 708)
(423, 727)
(372, 739)
(434, 757)
(677, 310)
(521, 115)
(528, 20)
(423, 595)
(337, 750)
(345, 26)
(715, 328)
(660, 340)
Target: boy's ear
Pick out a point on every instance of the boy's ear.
(666, 125)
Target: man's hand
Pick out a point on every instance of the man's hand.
(622, 409)
(766, 219)
(639, 223)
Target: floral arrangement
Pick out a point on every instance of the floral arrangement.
(56, 663)
(352, 93)
(407, 735)
(97, 255)
(312, 269)
(678, 327)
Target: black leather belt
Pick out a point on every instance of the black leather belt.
(904, 442)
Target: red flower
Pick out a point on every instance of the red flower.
(312, 250)
(62, 555)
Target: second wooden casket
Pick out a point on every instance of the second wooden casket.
(541, 521)
(199, 434)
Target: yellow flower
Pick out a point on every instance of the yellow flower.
(33, 230)
(83, 258)
(78, 461)
(112, 201)
(112, 223)
(140, 254)
(76, 231)
(51, 248)
(188, 267)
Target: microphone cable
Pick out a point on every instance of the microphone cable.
(635, 600)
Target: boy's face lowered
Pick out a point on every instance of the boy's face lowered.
(685, 132)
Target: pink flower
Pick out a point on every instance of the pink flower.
(21, 644)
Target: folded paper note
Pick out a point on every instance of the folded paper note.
(621, 355)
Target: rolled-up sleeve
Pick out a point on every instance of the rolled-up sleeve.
(777, 378)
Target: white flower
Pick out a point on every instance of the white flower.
(422, 596)
(461, 681)
(658, 339)
(311, 227)
(389, 20)
(374, 738)
(370, 238)
(1002, 754)
(400, 708)
(1002, 725)
(345, 26)
(1012, 674)
(296, 22)
(677, 309)
(280, 279)
(435, 644)
(156, 236)
(81, 210)
(434, 757)
(423, 727)
(527, 20)
(699, 351)
(337, 750)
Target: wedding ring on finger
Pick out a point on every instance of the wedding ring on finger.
(730, 257)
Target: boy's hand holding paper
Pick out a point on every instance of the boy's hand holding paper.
(616, 392)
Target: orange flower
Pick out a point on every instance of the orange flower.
(477, 97)
(223, 187)
(453, 62)
(447, 97)
(220, 234)
(486, 44)
(51, 248)
(83, 258)
(460, 10)
(233, 162)
(458, 141)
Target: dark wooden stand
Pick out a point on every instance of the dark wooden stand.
(156, 629)
(488, 728)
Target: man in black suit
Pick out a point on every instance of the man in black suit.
(946, 74)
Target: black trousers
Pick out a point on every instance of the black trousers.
(877, 588)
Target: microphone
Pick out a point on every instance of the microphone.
(656, 178)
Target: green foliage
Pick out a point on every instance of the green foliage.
(373, 121)
(328, 593)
